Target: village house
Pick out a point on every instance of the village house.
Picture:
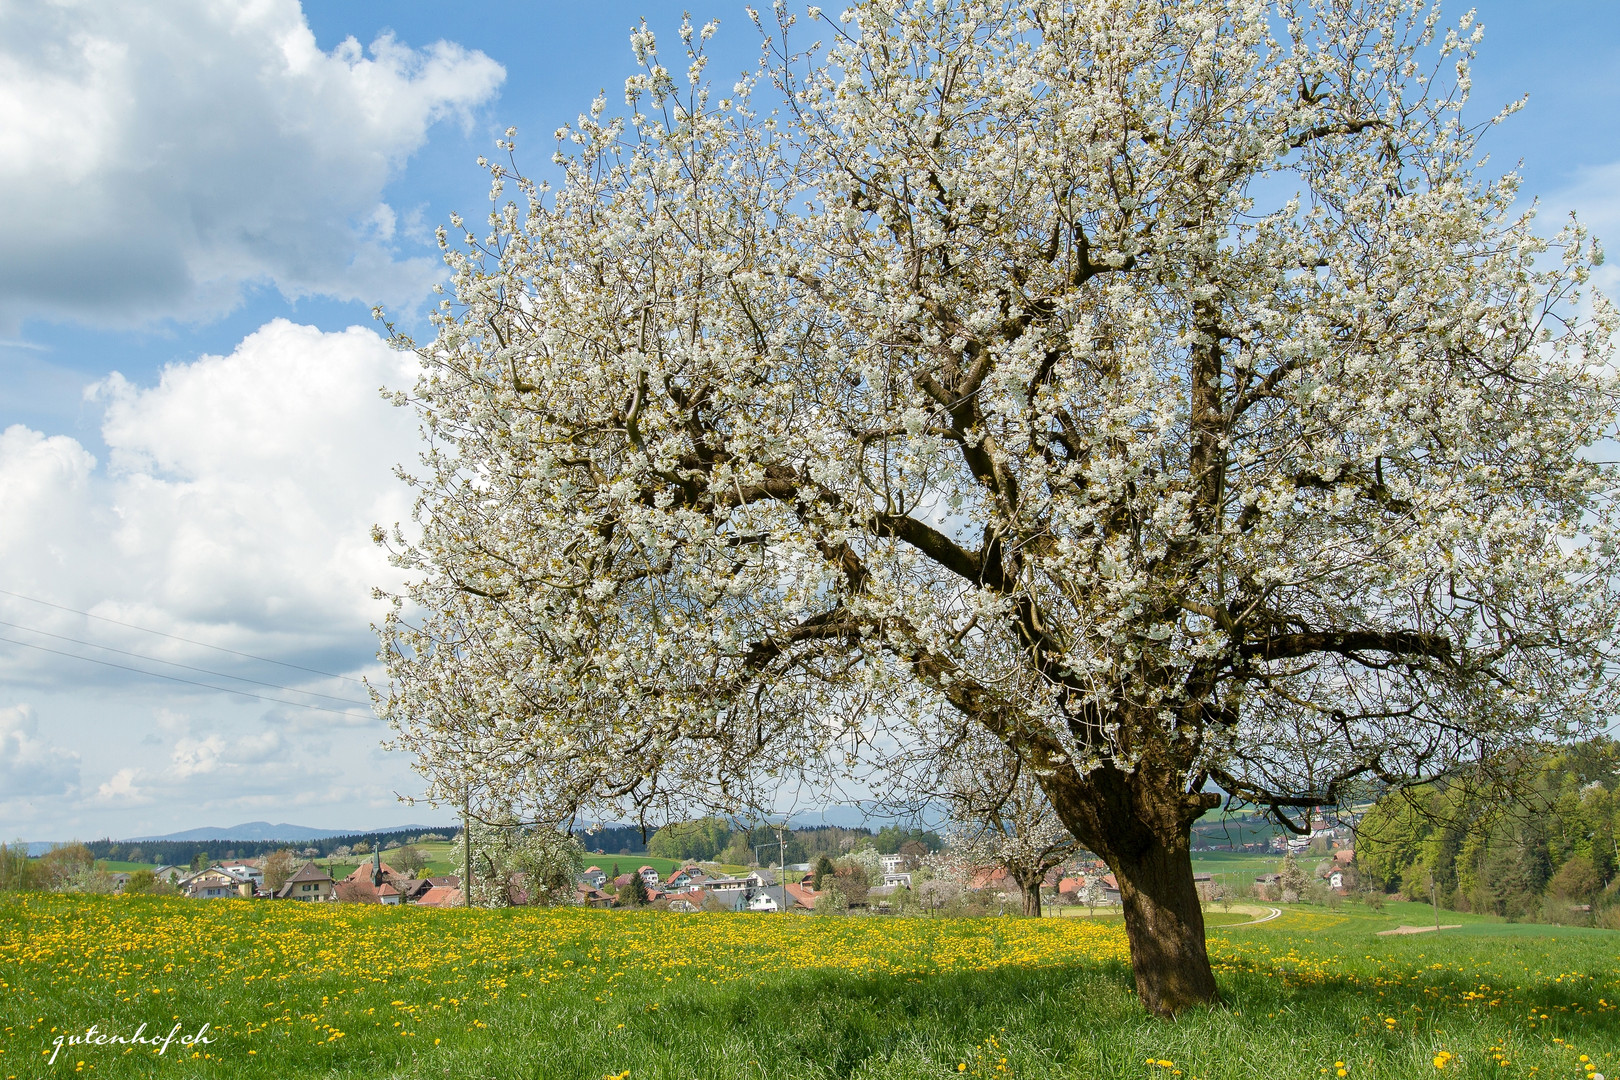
(803, 896)
(587, 896)
(173, 875)
(413, 889)
(594, 877)
(767, 899)
(1110, 889)
(441, 896)
(310, 883)
(727, 888)
(364, 885)
(249, 878)
(212, 884)
(685, 876)
(893, 863)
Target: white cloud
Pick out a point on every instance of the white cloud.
(154, 158)
(29, 765)
(235, 509)
(121, 788)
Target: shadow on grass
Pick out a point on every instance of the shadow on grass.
(1085, 1020)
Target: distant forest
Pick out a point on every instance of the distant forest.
(182, 852)
(708, 838)
(1550, 855)
(717, 838)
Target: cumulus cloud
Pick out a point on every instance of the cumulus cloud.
(234, 508)
(155, 158)
(121, 788)
(29, 765)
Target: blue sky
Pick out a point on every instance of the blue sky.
(202, 200)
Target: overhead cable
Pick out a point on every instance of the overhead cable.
(177, 637)
(178, 679)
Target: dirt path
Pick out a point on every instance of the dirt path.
(1265, 915)
(1419, 929)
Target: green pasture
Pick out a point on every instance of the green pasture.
(519, 995)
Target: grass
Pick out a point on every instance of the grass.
(341, 990)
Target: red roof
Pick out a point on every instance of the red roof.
(803, 895)
(983, 879)
(441, 896)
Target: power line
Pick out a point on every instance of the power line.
(177, 637)
(188, 667)
(176, 678)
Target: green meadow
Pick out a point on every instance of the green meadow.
(348, 990)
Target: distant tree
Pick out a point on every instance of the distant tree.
(140, 883)
(64, 864)
(278, 867)
(1498, 855)
(635, 893)
(1000, 814)
(356, 892)
(72, 868)
(1577, 881)
(914, 849)
(136, 855)
(834, 900)
(18, 872)
(199, 860)
(408, 859)
(361, 848)
(889, 838)
(1093, 895)
(823, 868)
(701, 839)
(514, 865)
(850, 882)
(1291, 878)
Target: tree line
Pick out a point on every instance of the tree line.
(1550, 855)
(185, 852)
(717, 839)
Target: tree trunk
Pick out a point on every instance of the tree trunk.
(1030, 887)
(1165, 925)
(1141, 824)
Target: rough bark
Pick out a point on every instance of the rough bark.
(1140, 823)
(1165, 925)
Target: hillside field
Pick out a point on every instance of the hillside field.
(340, 990)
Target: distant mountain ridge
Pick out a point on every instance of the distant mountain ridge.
(260, 831)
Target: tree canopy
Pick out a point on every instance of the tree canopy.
(1155, 388)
